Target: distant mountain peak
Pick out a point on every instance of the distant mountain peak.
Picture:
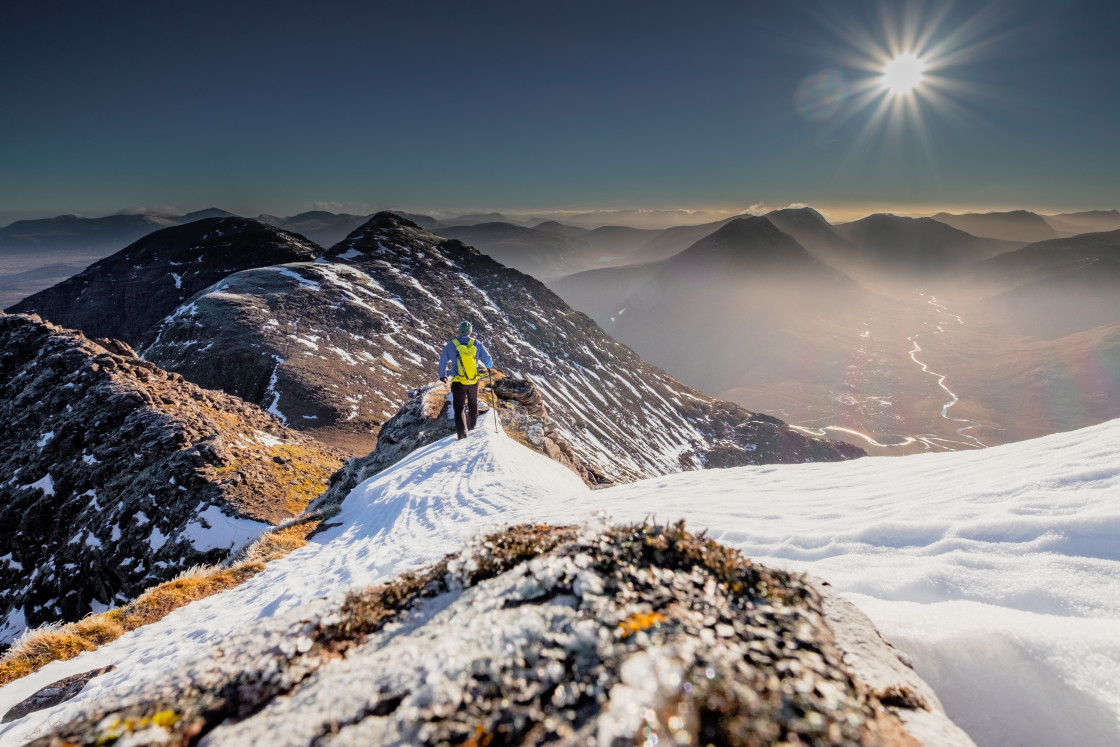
(800, 214)
(210, 212)
(753, 238)
(124, 295)
(380, 222)
(748, 223)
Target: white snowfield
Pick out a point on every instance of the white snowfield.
(996, 571)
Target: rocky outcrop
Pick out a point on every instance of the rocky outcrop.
(54, 693)
(125, 295)
(119, 475)
(335, 346)
(535, 635)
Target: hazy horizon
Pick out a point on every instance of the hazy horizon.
(658, 217)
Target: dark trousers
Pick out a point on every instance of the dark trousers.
(464, 395)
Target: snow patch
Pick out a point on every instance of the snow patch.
(212, 529)
(46, 484)
(997, 571)
(15, 623)
(157, 540)
(268, 439)
(271, 389)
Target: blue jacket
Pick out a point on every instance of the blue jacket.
(449, 358)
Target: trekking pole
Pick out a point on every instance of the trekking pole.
(493, 398)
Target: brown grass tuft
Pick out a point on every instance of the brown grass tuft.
(278, 543)
(156, 603)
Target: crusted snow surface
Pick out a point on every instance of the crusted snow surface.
(212, 529)
(997, 572)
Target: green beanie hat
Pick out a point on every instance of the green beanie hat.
(465, 328)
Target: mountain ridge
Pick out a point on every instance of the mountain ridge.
(121, 475)
(336, 344)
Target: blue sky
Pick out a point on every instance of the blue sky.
(567, 104)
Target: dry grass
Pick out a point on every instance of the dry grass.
(39, 647)
(156, 603)
(280, 542)
(434, 400)
(306, 473)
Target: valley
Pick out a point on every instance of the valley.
(896, 392)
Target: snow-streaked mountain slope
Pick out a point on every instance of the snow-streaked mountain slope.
(996, 571)
(334, 346)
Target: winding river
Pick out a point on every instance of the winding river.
(929, 441)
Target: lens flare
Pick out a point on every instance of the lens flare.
(820, 96)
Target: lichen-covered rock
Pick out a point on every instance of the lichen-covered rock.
(602, 635)
(118, 475)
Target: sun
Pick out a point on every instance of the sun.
(903, 73)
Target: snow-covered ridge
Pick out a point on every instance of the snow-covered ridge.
(997, 572)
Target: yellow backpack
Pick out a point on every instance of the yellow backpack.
(468, 363)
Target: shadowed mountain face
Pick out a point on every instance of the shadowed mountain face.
(325, 228)
(552, 250)
(1016, 225)
(124, 296)
(911, 360)
(1059, 287)
(318, 225)
(1089, 221)
(708, 313)
(920, 249)
(335, 345)
(544, 253)
(118, 475)
(473, 219)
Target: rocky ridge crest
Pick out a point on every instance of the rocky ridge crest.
(119, 475)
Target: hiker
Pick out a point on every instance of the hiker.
(459, 360)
